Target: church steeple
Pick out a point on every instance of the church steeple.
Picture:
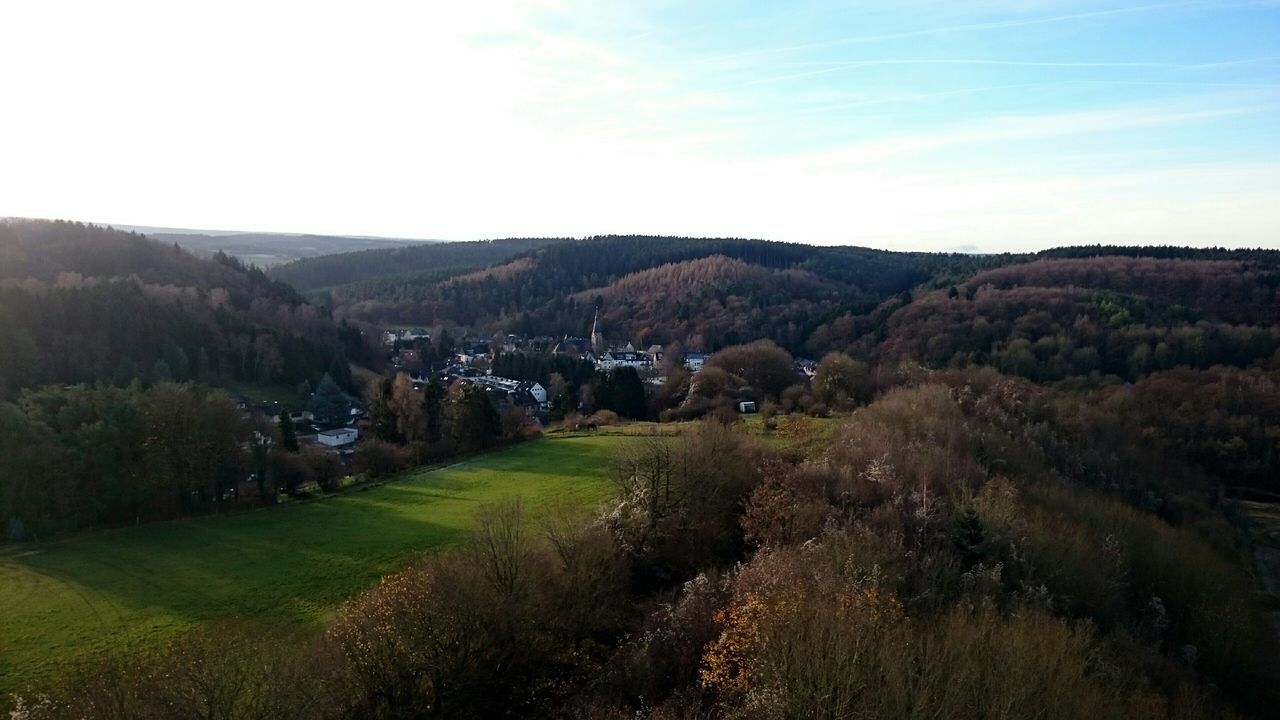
(597, 338)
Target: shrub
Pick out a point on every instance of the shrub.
(601, 418)
(378, 458)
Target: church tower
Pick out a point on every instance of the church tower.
(597, 338)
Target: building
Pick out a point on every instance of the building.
(576, 346)
(623, 358)
(597, 337)
(338, 437)
(747, 406)
(694, 361)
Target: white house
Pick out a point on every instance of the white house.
(694, 361)
(337, 438)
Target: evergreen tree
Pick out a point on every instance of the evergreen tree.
(288, 435)
(330, 405)
(433, 396)
(621, 391)
(126, 372)
(161, 373)
(340, 371)
(475, 421)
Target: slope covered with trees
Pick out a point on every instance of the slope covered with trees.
(415, 263)
(705, 291)
(80, 303)
(1119, 316)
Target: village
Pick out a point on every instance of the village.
(456, 358)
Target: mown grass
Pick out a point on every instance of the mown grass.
(290, 566)
(286, 396)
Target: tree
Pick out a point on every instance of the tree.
(767, 368)
(329, 404)
(841, 382)
(160, 372)
(621, 391)
(433, 397)
(126, 372)
(382, 421)
(475, 421)
(407, 408)
(340, 371)
(288, 435)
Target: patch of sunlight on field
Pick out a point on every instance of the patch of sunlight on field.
(291, 565)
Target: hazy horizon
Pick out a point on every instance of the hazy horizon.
(1005, 125)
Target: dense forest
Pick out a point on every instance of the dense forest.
(1052, 319)
(708, 292)
(403, 265)
(80, 303)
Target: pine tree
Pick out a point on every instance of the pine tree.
(329, 404)
(288, 435)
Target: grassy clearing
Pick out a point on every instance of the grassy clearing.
(288, 566)
(790, 430)
(286, 396)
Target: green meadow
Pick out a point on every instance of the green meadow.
(290, 565)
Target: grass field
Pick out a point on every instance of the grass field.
(290, 565)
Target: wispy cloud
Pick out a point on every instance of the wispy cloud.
(1017, 128)
(829, 67)
(975, 26)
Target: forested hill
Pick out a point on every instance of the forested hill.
(81, 303)
(707, 292)
(426, 262)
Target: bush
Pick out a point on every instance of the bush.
(324, 466)
(376, 458)
(601, 418)
(290, 471)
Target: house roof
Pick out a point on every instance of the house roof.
(338, 432)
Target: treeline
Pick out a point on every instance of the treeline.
(708, 293)
(540, 367)
(1088, 319)
(423, 260)
(88, 456)
(85, 304)
(964, 543)
(778, 290)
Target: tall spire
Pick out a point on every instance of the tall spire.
(597, 339)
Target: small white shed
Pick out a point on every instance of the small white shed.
(337, 438)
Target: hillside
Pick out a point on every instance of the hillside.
(667, 288)
(80, 303)
(1124, 316)
(271, 249)
(393, 267)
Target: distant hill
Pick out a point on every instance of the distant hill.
(82, 303)
(703, 292)
(1123, 315)
(269, 249)
(706, 293)
(421, 263)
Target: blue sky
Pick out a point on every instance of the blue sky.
(989, 125)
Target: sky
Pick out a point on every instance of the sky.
(991, 125)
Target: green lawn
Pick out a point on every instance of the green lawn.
(289, 565)
(286, 396)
